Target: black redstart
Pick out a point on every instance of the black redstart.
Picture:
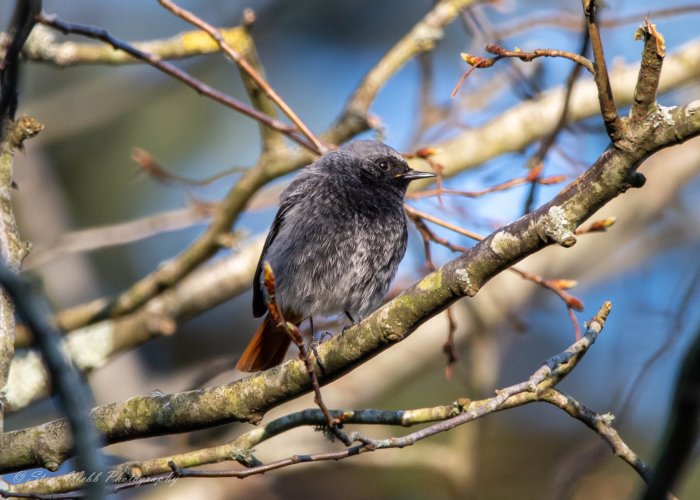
(335, 243)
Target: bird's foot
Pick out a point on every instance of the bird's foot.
(314, 344)
(321, 337)
(352, 322)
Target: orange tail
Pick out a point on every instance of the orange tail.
(266, 349)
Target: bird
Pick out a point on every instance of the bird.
(334, 245)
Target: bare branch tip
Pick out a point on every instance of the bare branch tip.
(602, 314)
(648, 31)
(248, 18)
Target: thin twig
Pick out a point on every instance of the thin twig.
(294, 333)
(527, 56)
(172, 70)
(564, 19)
(558, 286)
(602, 425)
(188, 16)
(91, 239)
(413, 213)
(503, 186)
(23, 21)
(613, 123)
(154, 169)
(478, 25)
(537, 160)
(502, 53)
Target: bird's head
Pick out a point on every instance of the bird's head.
(373, 162)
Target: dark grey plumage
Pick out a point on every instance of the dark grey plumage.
(340, 233)
(336, 241)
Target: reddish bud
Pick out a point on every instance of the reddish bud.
(603, 224)
(493, 48)
(574, 302)
(562, 284)
(534, 172)
(426, 152)
(553, 179)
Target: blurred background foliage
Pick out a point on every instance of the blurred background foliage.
(78, 173)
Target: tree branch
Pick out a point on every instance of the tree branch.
(422, 38)
(248, 69)
(74, 396)
(467, 150)
(13, 248)
(23, 21)
(42, 47)
(172, 70)
(613, 124)
(91, 347)
(537, 388)
(649, 71)
(270, 166)
(248, 399)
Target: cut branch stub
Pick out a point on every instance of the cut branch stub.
(649, 71)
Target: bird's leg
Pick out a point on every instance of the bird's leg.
(352, 321)
(320, 337)
(314, 338)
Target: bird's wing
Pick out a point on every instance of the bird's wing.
(259, 300)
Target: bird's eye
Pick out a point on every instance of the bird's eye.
(383, 165)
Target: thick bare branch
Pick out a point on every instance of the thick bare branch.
(422, 38)
(468, 150)
(43, 47)
(13, 248)
(91, 347)
(537, 387)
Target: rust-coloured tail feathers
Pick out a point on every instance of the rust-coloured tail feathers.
(266, 349)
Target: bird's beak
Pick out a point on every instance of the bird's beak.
(411, 175)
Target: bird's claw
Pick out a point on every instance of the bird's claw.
(313, 346)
